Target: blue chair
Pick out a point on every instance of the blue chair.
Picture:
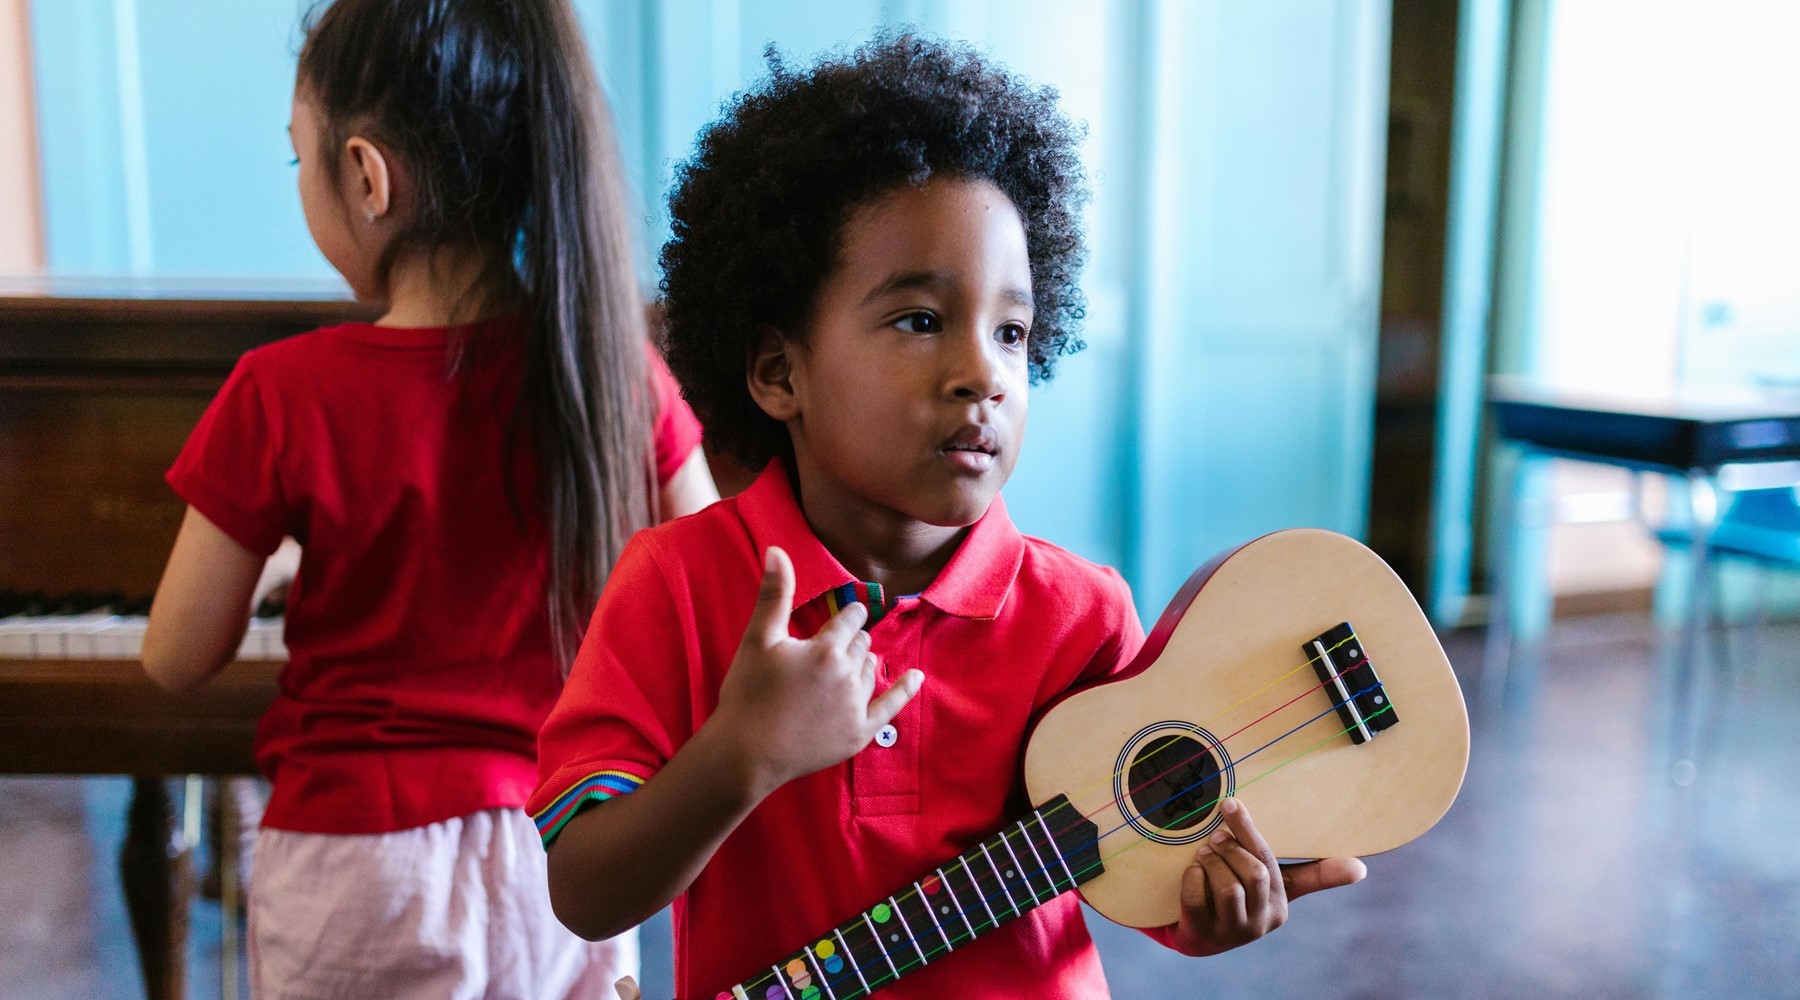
(1759, 526)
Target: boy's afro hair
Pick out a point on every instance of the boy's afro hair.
(756, 214)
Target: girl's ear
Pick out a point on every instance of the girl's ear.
(370, 179)
(770, 374)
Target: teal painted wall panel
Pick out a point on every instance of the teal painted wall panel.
(86, 223)
(217, 152)
(1266, 140)
(164, 139)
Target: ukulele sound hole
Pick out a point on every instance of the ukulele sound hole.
(1175, 782)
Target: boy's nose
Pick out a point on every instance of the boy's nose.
(976, 375)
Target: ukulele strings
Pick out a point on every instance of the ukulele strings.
(1003, 888)
(925, 950)
(1172, 737)
(1221, 741)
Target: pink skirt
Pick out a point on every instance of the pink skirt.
(458, 909)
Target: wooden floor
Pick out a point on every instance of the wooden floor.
(1571, 867)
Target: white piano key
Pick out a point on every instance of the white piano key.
(16, 637)
(123, 639)
(79, 631)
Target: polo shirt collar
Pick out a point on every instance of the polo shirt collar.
(973, 584)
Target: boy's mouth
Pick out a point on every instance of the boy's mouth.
(973, 448)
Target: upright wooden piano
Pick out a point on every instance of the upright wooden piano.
(99, 387)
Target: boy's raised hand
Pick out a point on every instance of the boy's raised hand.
(805, 704)
(1235, 892)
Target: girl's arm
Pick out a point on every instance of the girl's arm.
(788, 707)
(202, 605)
(691, 489)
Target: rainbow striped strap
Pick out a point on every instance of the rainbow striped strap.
(596, 787)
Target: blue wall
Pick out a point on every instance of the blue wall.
(1236, 157)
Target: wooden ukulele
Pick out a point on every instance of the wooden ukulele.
(1295, 672)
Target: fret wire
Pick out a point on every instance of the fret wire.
(807, 955)
(884, 952)
(1001, 879)
(969, 873)
(930, 911)
(1006, 842)
(944, 880)
(909, 933)
(1057, 850)
(1025, 831)
(850, 957)
(781, 977)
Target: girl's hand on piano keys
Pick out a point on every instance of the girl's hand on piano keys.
(277, 576)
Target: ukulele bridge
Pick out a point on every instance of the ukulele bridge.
(1342, 663)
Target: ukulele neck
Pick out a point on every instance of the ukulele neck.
(1052, 850)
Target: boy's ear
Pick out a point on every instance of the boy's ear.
(770, 374)
(370, 179)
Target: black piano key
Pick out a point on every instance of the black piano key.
(33, 603)
(78, 602)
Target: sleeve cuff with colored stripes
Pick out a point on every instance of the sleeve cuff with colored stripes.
(596, 787)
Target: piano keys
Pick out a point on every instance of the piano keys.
(83, 627)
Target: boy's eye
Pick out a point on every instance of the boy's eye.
(919, 322)
(1012, 335)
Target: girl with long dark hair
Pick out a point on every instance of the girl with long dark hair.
(460, 476)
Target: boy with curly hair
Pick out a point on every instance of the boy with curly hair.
(871, 263)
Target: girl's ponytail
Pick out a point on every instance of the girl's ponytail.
(494, 107)
(586, 381)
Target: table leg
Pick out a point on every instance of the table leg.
(1684, 711)
(1497, 652)
(156, 870)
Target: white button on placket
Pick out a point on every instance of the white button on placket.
(887, 736)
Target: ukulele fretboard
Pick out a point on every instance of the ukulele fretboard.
(1052, 850)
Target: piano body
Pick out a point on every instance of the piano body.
(98, 391)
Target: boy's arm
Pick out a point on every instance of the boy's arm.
(618, 862)
(788, 707)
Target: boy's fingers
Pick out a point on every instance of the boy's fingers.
(627, 989)
(1224, 890)
(889, 703)
(1193, 888)
(844, 627)
(1327, 874)
(1243, 830)
(774, 599)
(1251, 873)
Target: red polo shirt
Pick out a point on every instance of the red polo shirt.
(420, 659)
(1009, 624)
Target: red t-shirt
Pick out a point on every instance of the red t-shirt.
(421, 662)
(1010, 623)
